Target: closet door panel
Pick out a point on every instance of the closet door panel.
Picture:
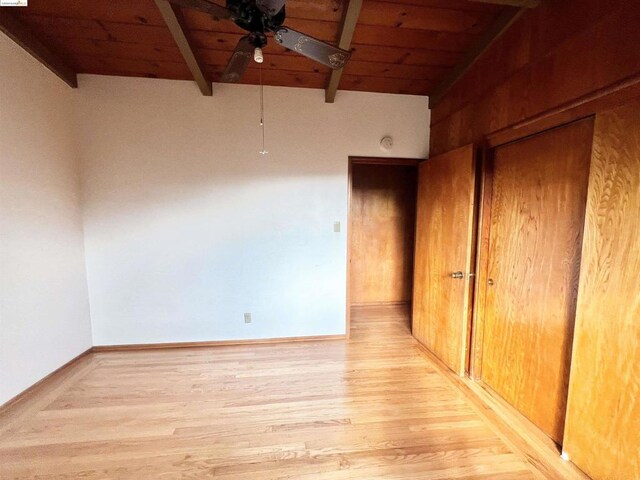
(539, 189)
(444, 231)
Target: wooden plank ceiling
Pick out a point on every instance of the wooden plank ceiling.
(404, 46)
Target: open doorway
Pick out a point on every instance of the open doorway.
(382, 203)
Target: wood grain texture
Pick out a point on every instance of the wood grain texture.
(600, 100)
(513, 3)
(41, 384)
(444, 229)
(381, 232)
(175, 23)
(17, 31)
(473, 54)
(388, 37)
(603, 423)
(375, 407)
(537, 216)
(556, 53)
(483, 230)
(347, 27)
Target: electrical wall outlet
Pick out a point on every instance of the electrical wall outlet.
(247, 318)
(336, 227)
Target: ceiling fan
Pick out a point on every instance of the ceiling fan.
(259, 17)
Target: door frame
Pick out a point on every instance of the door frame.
(358, 160)
(483, 235)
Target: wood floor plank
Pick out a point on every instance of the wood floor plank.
(372, 407)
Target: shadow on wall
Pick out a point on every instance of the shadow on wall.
(172, 264)
(187, 226)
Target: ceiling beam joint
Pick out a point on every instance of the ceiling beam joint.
(173, 18)
(17, 31)
(497, 28)
(349, 22)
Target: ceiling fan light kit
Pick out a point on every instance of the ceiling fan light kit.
(257, 55)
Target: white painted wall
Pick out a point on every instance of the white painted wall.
(187, 227)
(44, 310)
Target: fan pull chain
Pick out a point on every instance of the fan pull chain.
(263, 151)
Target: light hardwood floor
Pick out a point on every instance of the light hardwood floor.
(373, 407)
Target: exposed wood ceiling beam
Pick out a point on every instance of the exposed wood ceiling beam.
(173, 18)
(497, 28)
(19, 33)
(512, 3)
(349, 22)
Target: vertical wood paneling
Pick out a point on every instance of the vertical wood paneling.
(554, 54)
(537, 216)
(603, 422)
(444, 231)
(382, 233)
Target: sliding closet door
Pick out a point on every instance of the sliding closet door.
(444, 231)
(538, 203)
(603, 418)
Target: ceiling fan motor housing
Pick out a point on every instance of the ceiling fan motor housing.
(258, 39)
(249, 17)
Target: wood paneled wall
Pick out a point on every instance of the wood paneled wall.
(556, 53)
(603, 417)
(568, 59)
(382, 218)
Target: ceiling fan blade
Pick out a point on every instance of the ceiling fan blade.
(270, 7)
(239, 61)
(313, 48)
(205, 6)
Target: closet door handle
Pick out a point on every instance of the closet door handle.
(457, 275)
(490, 282)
